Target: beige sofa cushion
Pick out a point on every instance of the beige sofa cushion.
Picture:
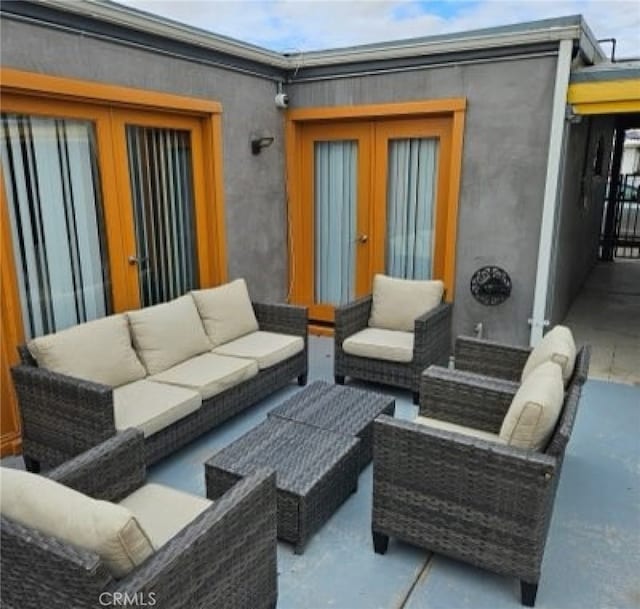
(150, 406)
(166, 334)
(109, 530)
(266, 348)
(535, 408)
(164, 511)
(390, 345)
(98, 351)
(226, 311)
(557, 346)
(454, 428)
(398, 302)
(209, 374)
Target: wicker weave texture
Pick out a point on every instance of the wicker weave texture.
(432, 345)
(110, 471)
(316, 471)
(64, 416)
(465, 398)
(490, 358)
(340, 409)
(225, 558)
(477, 400)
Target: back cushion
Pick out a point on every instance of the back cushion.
(535, 408)
(166, 334)
(98, 351)
(109, 530)
(398, 302)
(557, 346)
(226, 311)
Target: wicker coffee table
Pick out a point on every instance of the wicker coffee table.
(341, 409)
(316, 471)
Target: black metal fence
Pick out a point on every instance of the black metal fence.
(624, 237)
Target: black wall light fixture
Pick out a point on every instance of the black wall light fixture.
(258, 142)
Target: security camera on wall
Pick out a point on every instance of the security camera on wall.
(282, 100)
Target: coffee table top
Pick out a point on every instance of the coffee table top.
(300, 454)
(342, 409)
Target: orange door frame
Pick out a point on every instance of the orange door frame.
(108, 106)
(442, 118)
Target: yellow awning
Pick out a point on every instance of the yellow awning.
(605, 97)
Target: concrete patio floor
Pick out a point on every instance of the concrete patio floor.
(606, 314)
(593, 549)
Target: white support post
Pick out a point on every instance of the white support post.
(563, 69)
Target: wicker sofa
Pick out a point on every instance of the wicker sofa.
(64, 415)
(225, 557)
(430, 342)
(468, 496)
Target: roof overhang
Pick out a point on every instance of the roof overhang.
(109, 19)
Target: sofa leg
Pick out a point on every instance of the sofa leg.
(339, 379)
(302, 379)
(416, 398)
(528, 593)
(380, 542)
(31, 465)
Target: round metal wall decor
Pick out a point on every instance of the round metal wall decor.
(491, 285)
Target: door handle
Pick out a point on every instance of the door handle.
(362, 238)
(135, 260)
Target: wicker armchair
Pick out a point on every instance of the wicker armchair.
(500, 361)
(456, 395)
(475, 500)
(225, 558)
(63, 416)
(432, 344)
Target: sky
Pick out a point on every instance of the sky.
(306, 25)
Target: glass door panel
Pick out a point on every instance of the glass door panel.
(332, 246)
(335, 195)
(161, 182)
(56, 218)
(411, 194)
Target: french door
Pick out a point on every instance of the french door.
(105, 206)
(336, 163)
(373, 198)
(103, 209)
(163, 210)
(412, 165)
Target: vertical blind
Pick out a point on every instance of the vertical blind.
(164, 212)
(335, 195)
(55, 211)
(411, 207)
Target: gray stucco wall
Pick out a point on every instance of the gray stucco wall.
(578, 221)
(253, 185)
(504, 158)
(503, 172)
